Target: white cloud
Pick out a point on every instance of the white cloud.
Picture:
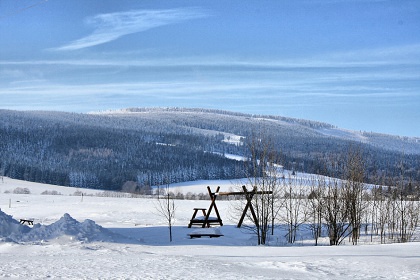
(109, 27)
(375, 57)
(407, 54)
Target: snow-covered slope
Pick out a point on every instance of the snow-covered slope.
(125, 238)
(304, 128)
(107, 150)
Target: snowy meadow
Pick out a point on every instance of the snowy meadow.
(113, 236)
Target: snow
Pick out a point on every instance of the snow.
(125, 238)
(65, 228)
(206, 231)
(233, 139)
(200, 186)
(343, 133)
(9, 185)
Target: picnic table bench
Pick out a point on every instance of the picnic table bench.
(207, 232)
(29, 222)
(206, 220)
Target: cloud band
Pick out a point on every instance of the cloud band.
(111, 26)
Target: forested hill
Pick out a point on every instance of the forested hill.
(151, 146)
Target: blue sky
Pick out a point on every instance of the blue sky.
(354, 64)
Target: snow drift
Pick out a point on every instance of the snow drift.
(87, 231)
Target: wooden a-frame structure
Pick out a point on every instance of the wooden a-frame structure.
(248, 195)
(206, 220)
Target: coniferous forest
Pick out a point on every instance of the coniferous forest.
(155, 146)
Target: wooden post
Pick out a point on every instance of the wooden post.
(213, 197)
(248, 195)
(195, 214)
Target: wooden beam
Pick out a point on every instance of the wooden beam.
(214, 203)
(244, 193)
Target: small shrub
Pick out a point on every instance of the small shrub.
(50, 193)
(78, 193)
(21, 191)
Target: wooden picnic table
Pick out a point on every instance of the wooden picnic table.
(29, 222)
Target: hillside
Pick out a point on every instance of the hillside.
(150, 146)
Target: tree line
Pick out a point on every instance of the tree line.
(387, 209)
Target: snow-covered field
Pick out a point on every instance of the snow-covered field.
(93, 237)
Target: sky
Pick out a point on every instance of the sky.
(351, 63)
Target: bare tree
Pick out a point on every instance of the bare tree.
(335, 211)
(413, 216)
(166, 206)
(261, 171)
(315, 205)
(382, 209)
(407, 210)
(295, 206)
(353, 191)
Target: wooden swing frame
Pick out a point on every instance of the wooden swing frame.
(207, 220)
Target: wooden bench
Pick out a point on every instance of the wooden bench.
(204, 220)
(199, 235)
(213, 232)
(29, 222)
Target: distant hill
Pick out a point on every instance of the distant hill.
(205, 118)
(150, 146)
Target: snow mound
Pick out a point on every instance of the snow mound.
(9, 226)
(87, 231)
